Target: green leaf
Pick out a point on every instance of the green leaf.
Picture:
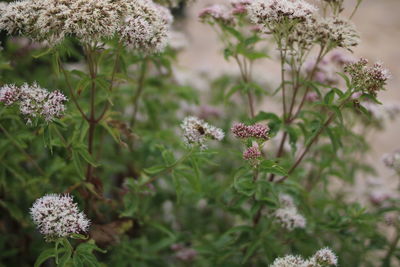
(245, 185)
(270, 166)
(76, 160)
(329, 97)
(84, 153)
(42, 53)
(155, 169)
(44, 256)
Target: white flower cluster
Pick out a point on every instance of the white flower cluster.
(140, 23)
(146, 27)
(323, 257)
(197, 131)
(337, 32)
(58, 216)
(34, 101)
(288, 216)
(268, 13)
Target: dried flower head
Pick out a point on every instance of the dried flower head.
(34, 101)
(258, 130)
(289, 218)
(324, 257)
(58, 216)
(197, 131)
(367, 79)
(271, 13)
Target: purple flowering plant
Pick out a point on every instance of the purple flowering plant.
(111, 155)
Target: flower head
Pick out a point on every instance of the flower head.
(216, 13)
(258, 130)
(146, 27)
(337, 32)
(290, 261)
(324, 257)
(34, 101)
(197, 131)
(289, 218)
(367, 79)
(270, 13)
(141, 24)
(58, 216)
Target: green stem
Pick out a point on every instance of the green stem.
(392, 248)
(169, 168)
(139, 90)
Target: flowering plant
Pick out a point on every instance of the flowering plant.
(179, 170)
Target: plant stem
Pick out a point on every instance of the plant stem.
(92, 119)
(282, 54)
(312, 73)
(331, 117)
(139, 90)
(355, 9)
(392, 248)
(246, 78)
(169, 168)
(114, 72)
(71, 91)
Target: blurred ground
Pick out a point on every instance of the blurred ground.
(379, 24)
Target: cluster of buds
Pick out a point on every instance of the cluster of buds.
(34, 101)
(367, 79)
(287, 215)
(323, 257)
(255, 134)
(258, 131)
(197, 131)
(57, 216)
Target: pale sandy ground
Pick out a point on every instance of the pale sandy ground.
(379, 24)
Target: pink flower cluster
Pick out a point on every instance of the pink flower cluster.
(257, 130)
(217, 13)
(34, 101)
(252, 153)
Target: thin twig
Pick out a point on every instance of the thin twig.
(71, 91)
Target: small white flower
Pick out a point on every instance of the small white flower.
(289, 218)
(290, 261)
(324, 257)
(197, 131)
(58, 216)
